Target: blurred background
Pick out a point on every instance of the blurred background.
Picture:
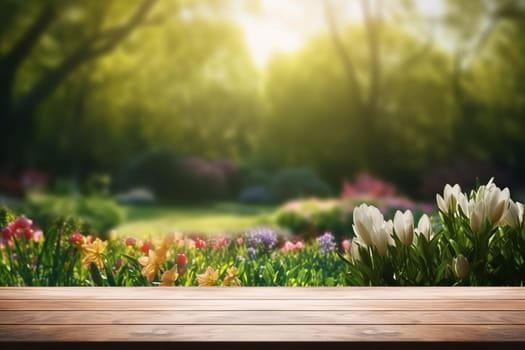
(190, 102)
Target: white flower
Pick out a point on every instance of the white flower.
(496, 203)
(404, 226)
(371, 229)
(383, 237)
(354, 249)
(489, 204)
(367, 220)
(514, 217)
(477, 216)
(424, 227)
(448, 202)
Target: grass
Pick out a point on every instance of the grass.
(218, 218)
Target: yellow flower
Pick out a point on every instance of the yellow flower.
(92, 252)
(231, 277)
(209, 278)
(169, 277)
(154, 260)
(151, 264)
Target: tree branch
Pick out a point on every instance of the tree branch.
(96, 46)
(24, 45)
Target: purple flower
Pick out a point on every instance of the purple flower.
(326, 242)
(262, 237)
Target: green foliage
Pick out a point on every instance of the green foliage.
(95, 214)
(313, 217)
(298, 183)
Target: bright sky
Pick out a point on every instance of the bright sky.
(285, 25)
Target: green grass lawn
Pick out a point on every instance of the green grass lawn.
(144, 221)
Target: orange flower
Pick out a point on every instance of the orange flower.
(209, 278)
(231, 277)
(92, 252)
(169, 277)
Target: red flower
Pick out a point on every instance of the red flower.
(146, 246)
(77, 238)
(182, 259)
(7, 233)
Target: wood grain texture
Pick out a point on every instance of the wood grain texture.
(371, 293)
(209, 333)
(144, 314)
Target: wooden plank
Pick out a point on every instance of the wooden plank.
(268, 305)
(261, 317)
(209, 333)
(371, 293)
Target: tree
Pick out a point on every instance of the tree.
(17, 113)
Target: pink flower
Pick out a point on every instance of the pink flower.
(291, 247)
(220, 242)
(182, 259)
(131, 241)
(22, 222)
(200, 244)
(346, 245)
(38, 235)
(240, 240)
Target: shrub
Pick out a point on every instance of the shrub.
(256, 195)
(175, 178)
(298, 183)
(311, 218)
(94, 214)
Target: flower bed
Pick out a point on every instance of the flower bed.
(477, 239)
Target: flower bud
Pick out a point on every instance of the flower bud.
(461, 267)
(404, 226)
(424, 227)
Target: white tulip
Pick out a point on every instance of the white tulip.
(383, 237)
(448, 202)
(424, 227)
(404, 226)
(367, 220)
(514, 217)
(477, 217)
(496, 203)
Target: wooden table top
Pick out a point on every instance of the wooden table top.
(228, 314)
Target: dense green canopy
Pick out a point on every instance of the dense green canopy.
(85, 86)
